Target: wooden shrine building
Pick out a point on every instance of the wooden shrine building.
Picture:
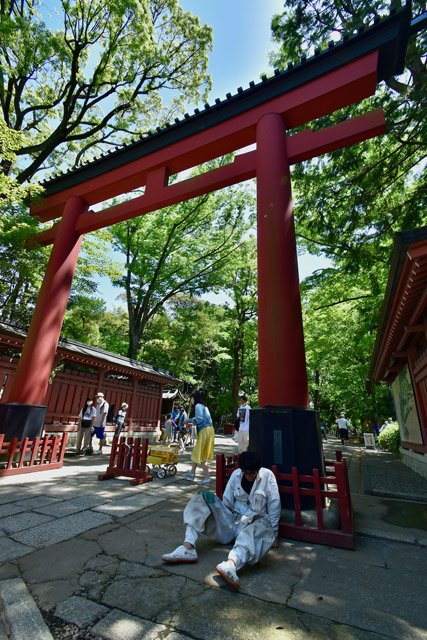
(400, 353)
(80, 371)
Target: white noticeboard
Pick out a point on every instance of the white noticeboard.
(369, 440)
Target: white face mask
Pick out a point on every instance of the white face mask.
(89, 403)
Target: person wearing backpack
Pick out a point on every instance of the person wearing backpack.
(119, 418)
(86, 419)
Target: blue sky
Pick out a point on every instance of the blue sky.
(242, 42)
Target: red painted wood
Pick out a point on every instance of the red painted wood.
(128, 459)
(337, 89)
(318, 498)
(301, 146)
(35, 363)
(281, 353)
(45, 454)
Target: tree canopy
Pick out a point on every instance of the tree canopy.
(92, 76)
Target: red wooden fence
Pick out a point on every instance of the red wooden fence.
(40, 454)
(128, 458)
(333, 485)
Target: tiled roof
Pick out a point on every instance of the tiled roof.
(79, 352)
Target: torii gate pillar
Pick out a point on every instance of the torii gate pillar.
(284, 429)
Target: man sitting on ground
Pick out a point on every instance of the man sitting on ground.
(250, 510)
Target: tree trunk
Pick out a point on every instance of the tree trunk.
(237, 373)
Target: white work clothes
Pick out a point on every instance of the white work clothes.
(250, 520)
(263, 500)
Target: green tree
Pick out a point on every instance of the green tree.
(92, 77)
(180, 249)
(82, 320)
(191, 337)
(339, 316)
(10, 190)
(349, 204)
(242, 289)
(21, 270)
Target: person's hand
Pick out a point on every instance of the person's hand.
(275, 544)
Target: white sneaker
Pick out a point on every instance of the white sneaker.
(227, 570)
(181, 554)
(205, 482)
(189, 476)
(97, 453)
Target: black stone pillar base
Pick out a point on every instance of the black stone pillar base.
(22, 420)
(287, 437)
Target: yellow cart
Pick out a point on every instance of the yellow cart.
(163, 460)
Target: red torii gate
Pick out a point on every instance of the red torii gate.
(340, 76)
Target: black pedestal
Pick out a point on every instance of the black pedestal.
(22, 420)
(287, 437)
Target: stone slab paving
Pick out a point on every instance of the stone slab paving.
(10, 510)
(62, 509)
(9, 550)
(55, 531)
(124, 506)
(36, 501)
(120, 626)
(80, 611)
(22, 521)
(22, 616)
(104, 561)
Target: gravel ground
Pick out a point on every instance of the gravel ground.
(387, 475)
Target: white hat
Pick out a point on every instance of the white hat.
(124, 404)
(99, 395)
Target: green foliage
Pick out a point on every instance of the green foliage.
(389, 438)
(180, 249)
(82, 319)
(10, 190)
(21, 270)
(114, 331)
(93, 76)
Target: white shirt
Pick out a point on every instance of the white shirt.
(343, 423)
(263, 500)
(243, 415)
(101, 414)
(90, 412)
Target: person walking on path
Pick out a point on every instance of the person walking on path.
(343, 425)
(87, 418)
(204, 449)
(181, 421)
(102, 407)
(167, 436)
(248, 516)
(323, 430)
(243, 433)
(120, 418)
